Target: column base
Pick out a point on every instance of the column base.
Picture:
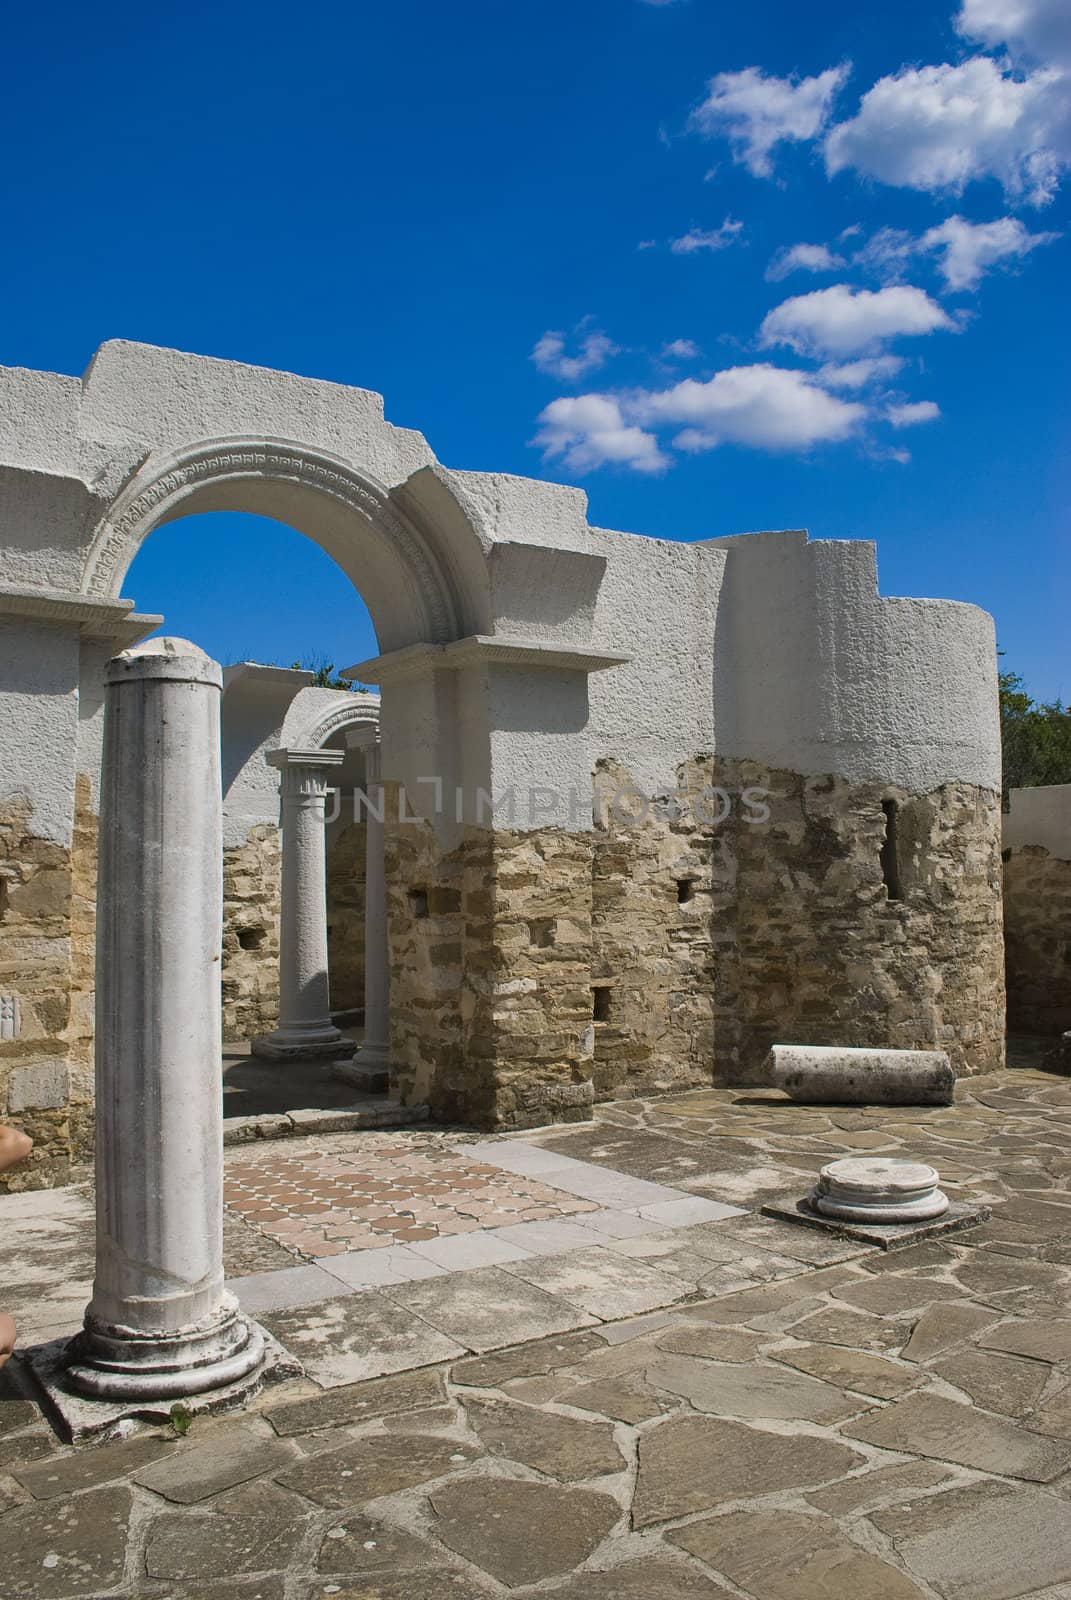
(369, 1071)
(111, 1363)
(295, 1044)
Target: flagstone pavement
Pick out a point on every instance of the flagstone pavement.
(580, 1362)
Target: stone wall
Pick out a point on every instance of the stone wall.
(812, 948)
(345, 914)
(251, 934)
(83, 969)
(1037, 930)
(35, 996)
(652, 971)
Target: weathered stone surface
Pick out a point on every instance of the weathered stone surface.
(250, 963)
(1037, 937)
(856, 1329)
(246, 1250)
(487, 1309)
(521, 1532)
(360, 1336)
(751, 1391)
(1041, 1340)
(363, 1545)
(850, 1369)
(626, 1399)
(220, 1546)
(942, 1327)
(996, 1382)
(86, 1469)
(891, 1295)
(16, 1414)
(364, 1468)
(712, 1344)
(223, 1458)
(652, 1578)
(65, 1547)
(435, 1583)
(562, 1447)
(790, 1557)
(831, 1075)
(868, 1488)
(689, 1464)
(928, 1425)
(987, 1273)
(379, 1397)
(601, 1282)
(811, 1245)
(525, 1360)
(752, 1303)
(984, 1542)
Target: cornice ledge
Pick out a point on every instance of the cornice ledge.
(506, 650)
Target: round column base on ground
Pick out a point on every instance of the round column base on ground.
(876, 1189)
(110, 1363)
(293, 1044)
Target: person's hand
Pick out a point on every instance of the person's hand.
(14, 1146)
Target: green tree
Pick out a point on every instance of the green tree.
(1035, 739)
(323, 673)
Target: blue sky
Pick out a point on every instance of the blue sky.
(575, 224)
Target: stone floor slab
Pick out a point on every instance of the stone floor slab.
(1040, 1341)
(651, 1578)
(220, 1546)
(786, 1556)
(929, 1425)
(362, 1336)
(754, 1391)
(91, 1469)
(360, 1402)
(366, 1468)
(374, 1269)
(1008, 1384)
(849, 1369)
(366, 1545)
(601, 1282)
(466, 1251)
(944, 1327)
(488, 1309)
(65, 1548)
(222, 1458)
(560, 1447)
(543, 1238)
(521, 1532)
(683, 1212)
(284, 1289)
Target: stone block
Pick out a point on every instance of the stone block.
(42, 1085)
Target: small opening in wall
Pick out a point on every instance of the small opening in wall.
(685, 890)
(600, 1004)
(541, 931)
(890, 850)
(1005, 856)
(252, 938)
(418, 902)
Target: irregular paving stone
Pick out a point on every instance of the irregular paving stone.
(996, 1274)
(252, 1589)
(689, 1464)
(65, 1547)
(362, 1544)
(626, 1399)
(928, 1425)
(943, 1326)
(600, 1282)
(812, 1245)
(525, 1361)
(855, 1329)
(88, 1468)
(435, 1583)
(752, 1303)
(752, 1391)
(211, 1545)
(559, 1446)
(997, 1382)
(1053, 1418)
(16, 1414)
(1041, 1340)
(652, 1578)
(24, 1448)
(424, 1421)
(365, 1468)
(984, 1542)
(223, 1458)
(487, 1309)
(379, 1397)
(792, 1557)
(712, 1344)
(362, 1336)
(520, 1532)
(849, 1369)
(869, 1487)
(892, 1296)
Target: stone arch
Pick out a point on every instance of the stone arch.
(415, 580)
(317, 715)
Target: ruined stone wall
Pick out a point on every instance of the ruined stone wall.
(345, 914)
(811, 947)
(652, 970)
(35, 996)
(251, 911)
(83, 969)
(1037, 933)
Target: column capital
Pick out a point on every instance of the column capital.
(305, 774)
(305, 758)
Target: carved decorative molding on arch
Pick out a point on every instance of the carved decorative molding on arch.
(156, 491)
(347, 717)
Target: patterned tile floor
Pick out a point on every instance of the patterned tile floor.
(384, 1193)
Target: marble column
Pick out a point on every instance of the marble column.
(160, 1323)
(305, 1026)
(370, 1067)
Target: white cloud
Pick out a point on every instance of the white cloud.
(586, 431)
(802, 258)
(887, 253)
(718, 238)
(912, 413)
(767, 407)
(858, 374)
(549, 355)
(939, 128)
(756, 112)
(680, 350)
(843, 321)
(1037, 28)
(969, 249)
